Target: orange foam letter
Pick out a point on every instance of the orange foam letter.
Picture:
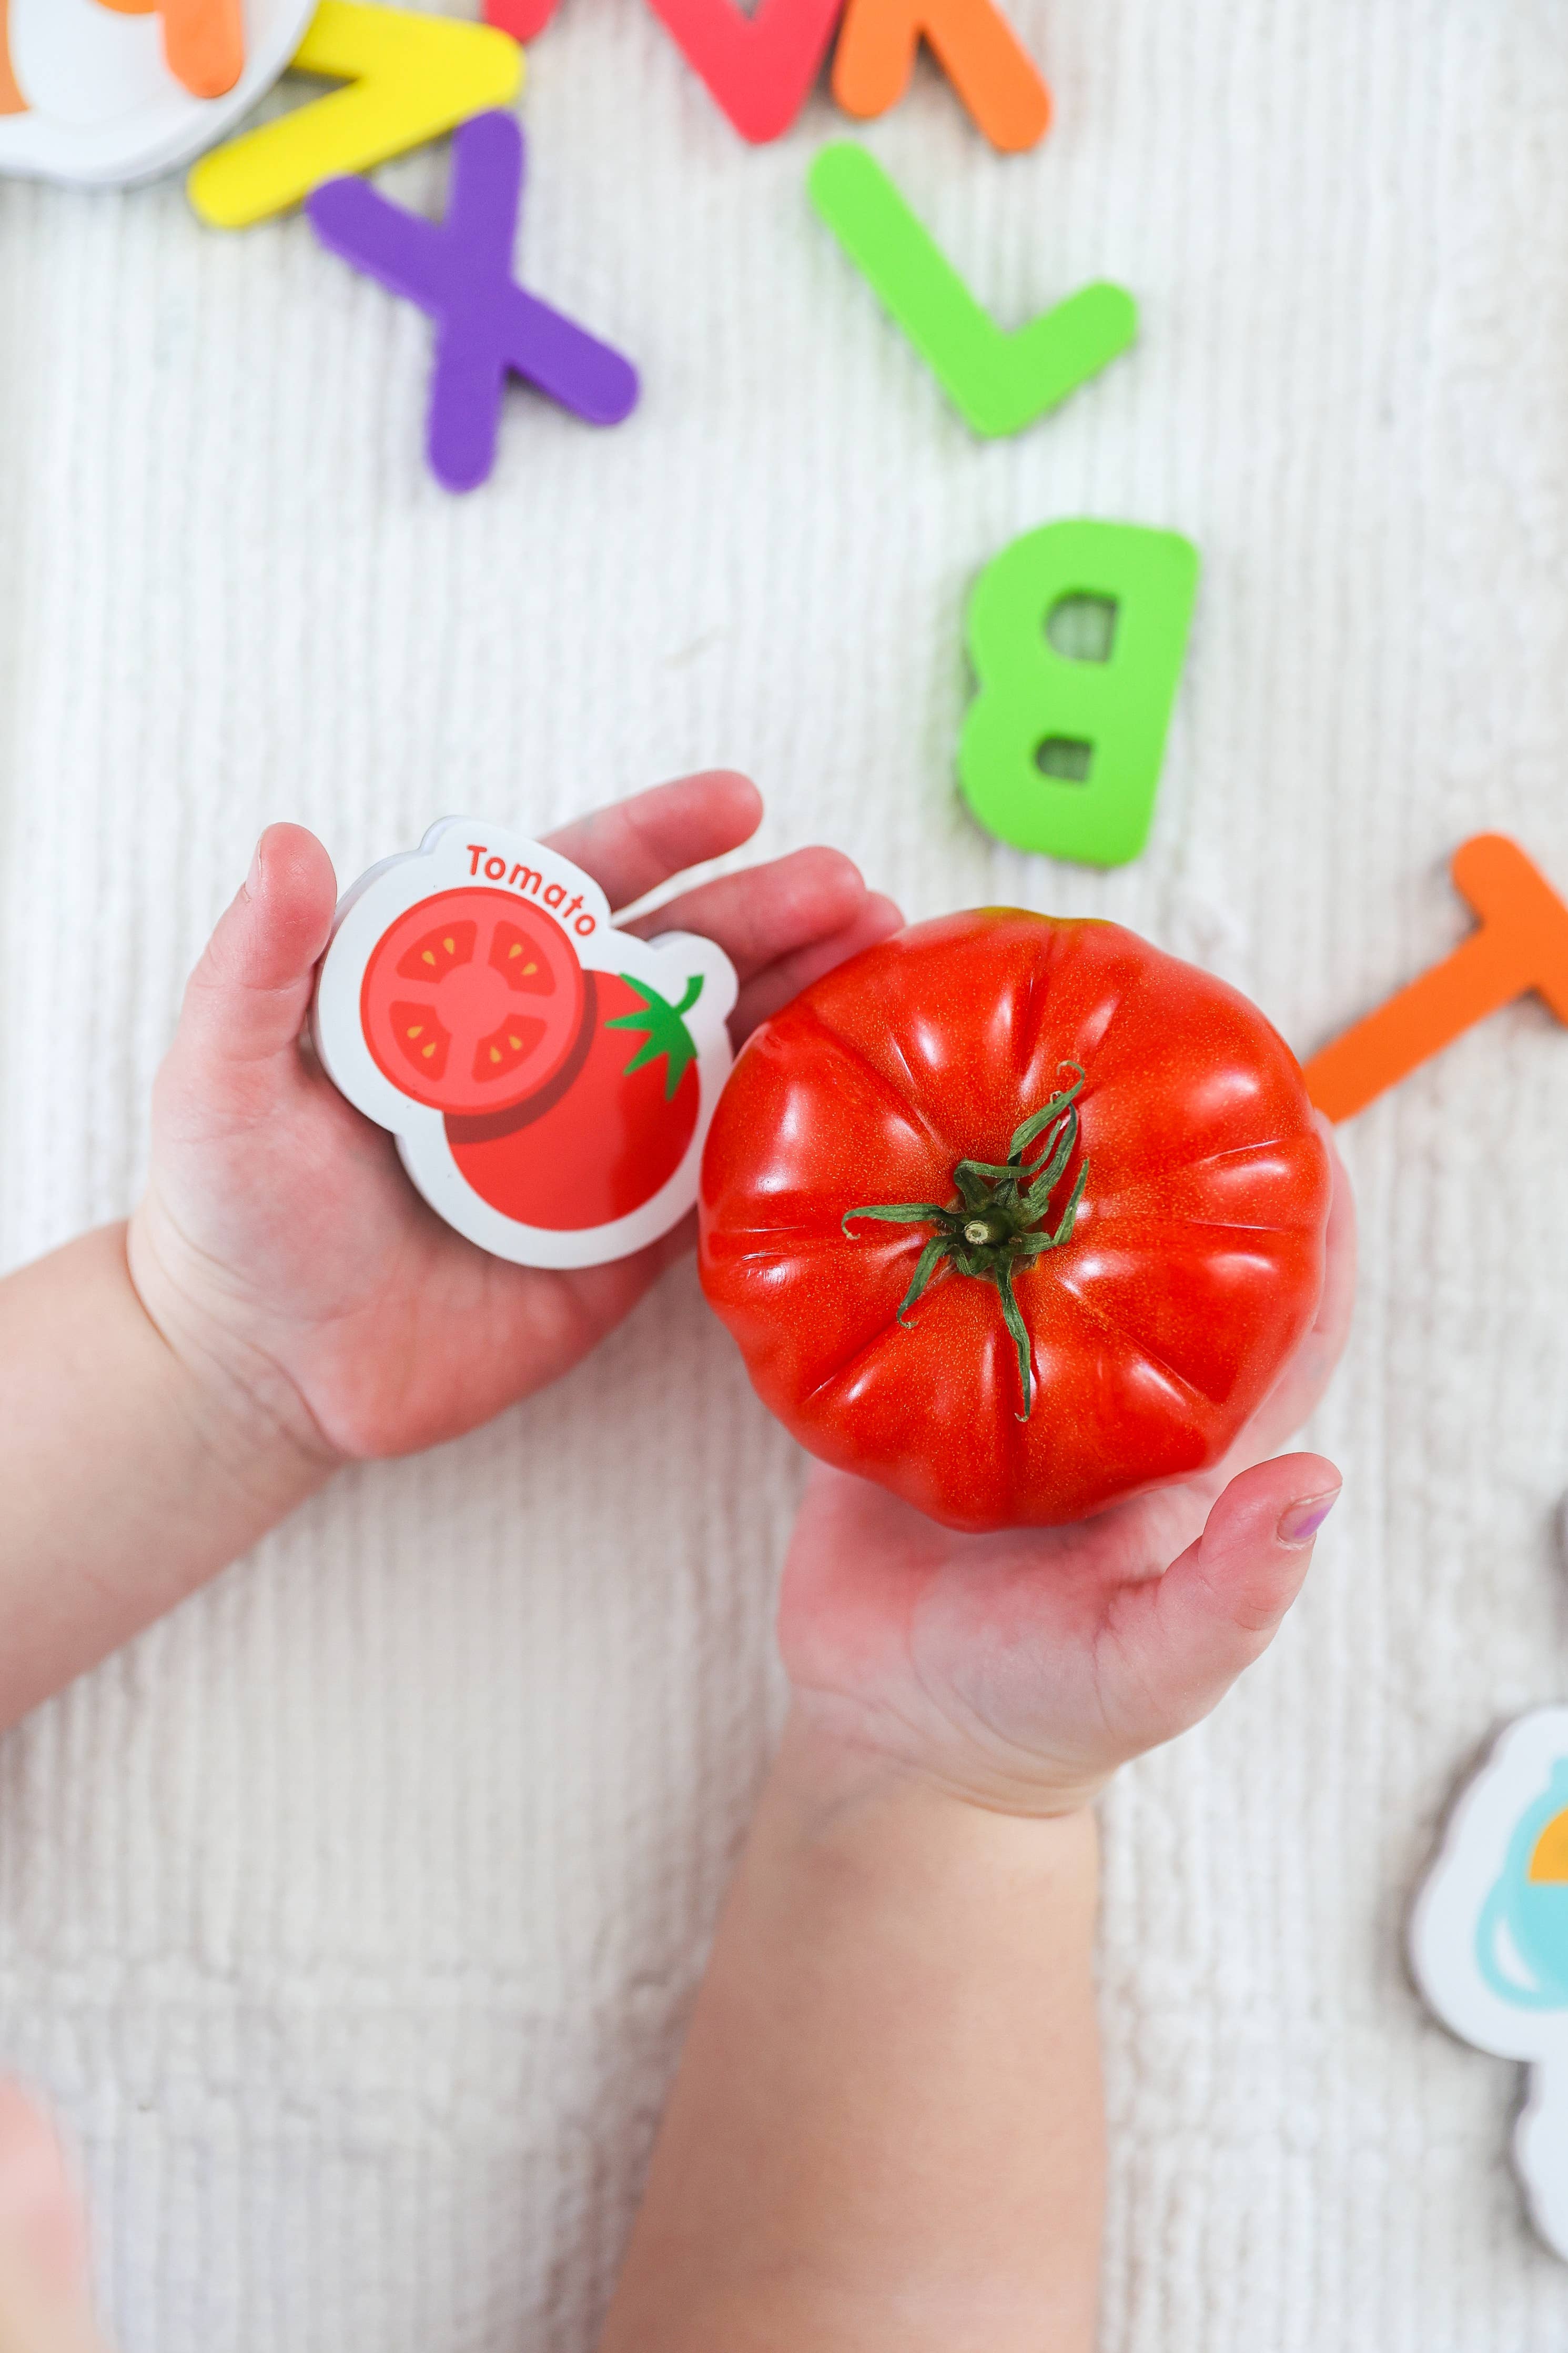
(980, 53)
(11, 98)
(204, 40)
(1521, 946)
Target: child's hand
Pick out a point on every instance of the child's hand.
(282, 1249)
(1020, 1669)
(44, 2301)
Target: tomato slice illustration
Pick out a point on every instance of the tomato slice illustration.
(471, 1003)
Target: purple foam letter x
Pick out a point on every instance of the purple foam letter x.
(459, 271)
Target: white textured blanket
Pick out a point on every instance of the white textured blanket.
(350, 1917)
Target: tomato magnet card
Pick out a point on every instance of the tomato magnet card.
(1488, 1941)
(549, 1079)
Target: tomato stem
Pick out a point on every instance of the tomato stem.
(996, 1227)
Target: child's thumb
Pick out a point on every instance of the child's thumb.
(249, 996)
(1217, 1608)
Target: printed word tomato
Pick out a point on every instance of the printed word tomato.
(471, 1003)
(612, 1129)
(1017, 1217)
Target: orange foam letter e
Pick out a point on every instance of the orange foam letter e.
(979, 52)
(1521, 946)
(204, 40)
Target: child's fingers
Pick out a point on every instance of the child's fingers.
(43, 2252)
(38, 2199)
(35, 2319)
(633, 847)
(1193, 1630)
(769, 911)
(1306, 1375)
(1331, 1324)
(248, 998)
(876, 919)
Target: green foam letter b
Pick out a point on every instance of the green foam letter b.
(1078, 633)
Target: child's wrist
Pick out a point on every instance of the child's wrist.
(845, 1835)
(834, 1768)
(248, 1415)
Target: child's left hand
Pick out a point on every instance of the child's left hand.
(280, 1248)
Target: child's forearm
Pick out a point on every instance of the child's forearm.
(886, 2131)
(126, 1482)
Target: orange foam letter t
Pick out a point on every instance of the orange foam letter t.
(204, 40)
(1521, 946)
(980, 53)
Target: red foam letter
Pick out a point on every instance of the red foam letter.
(523, 19)
(761, 67)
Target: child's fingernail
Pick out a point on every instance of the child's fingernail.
(253, 879)
(1299, 1524)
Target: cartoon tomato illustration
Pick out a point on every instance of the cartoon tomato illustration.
(612, 1128)
(548, 1078)
(472, 1002)
(104, 91)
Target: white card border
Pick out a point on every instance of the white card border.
(1444, 1924)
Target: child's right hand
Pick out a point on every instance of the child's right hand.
(281, 1250)
(1018, 1670)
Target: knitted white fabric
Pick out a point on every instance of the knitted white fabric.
(350, 1919)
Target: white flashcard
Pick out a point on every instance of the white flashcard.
(1488, 1941)
(549, 1079)
(108, 95)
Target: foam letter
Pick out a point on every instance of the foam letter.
(1521, 948)
(523, 19)
(412, 78)
(11, 98)
(759, 69)
(1078, 633)
(460, 273)
(978, 50)
(204, 40)
(1000, 382)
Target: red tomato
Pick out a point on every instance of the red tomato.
(609, 1132)
(1167, 1262)
(471, 1002)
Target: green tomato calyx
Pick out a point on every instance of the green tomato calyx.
(1000, 1222)
(662, 1029)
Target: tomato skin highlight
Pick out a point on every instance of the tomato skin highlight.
(1195, 1265)
(598, 1142)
